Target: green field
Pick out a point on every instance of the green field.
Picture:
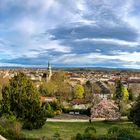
(69, 129)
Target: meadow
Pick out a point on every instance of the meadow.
(70, 129)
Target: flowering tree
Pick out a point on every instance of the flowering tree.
(107, 109)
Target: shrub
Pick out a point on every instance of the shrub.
(10, 127)
(50, 114)
(56, 136)
(88, 136)
(122, 133)
(57, 112)
(90, 129)
(135, 114)
(79, 137)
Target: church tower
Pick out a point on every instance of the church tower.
(49, 73)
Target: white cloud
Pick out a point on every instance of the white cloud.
(110, 41)
(94, 58)
(131, 66)
(27, 26)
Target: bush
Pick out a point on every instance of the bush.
(90, 129)
(50, 114)
(56, 136)
(88, 136)
(134, 114)
(10, 127)
(57, 112)
(56, 106)
(53, 108)
(122, 133)
(79, 137)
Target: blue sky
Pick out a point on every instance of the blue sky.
(80, 33)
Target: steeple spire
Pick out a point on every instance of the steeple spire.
(49, 71)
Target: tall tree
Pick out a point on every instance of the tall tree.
(105, 109)
(79, 91)
(48, 88)
(119, 89)
(88, 91)
(135, 113)
(21, 99)
(63, 88)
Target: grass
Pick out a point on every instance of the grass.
(69, 129)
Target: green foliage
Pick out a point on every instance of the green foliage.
(58, 86)
(124, 108)
(56, 105)
(134, 91)
(21, 99)
(88, 87)
(79, 137)
(89, 134)
(53, 108)
(90, 130)
(125, 94)
(79, 91)
(121, 91)
(70, 129)
(9, 126)
(48, 88)
(96, 88)
(135, 114)
(113, 130)
(121, 133)
(56, 136)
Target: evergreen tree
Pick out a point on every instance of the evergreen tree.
(88, 91)
(21, 99)
(119, 89)
(135, 114)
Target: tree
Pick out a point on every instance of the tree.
(135, 114)
(119, 90)
(96, 88)
(21, 99)
(79, 91)
(59, 77)
(48, 88)
(88, 91)
(64, 89)
(134, 91)
(105, 109)
(125, 94)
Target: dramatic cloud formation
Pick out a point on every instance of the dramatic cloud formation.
(79, 33)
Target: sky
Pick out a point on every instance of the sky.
(70, 33)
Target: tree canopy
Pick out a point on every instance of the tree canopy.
(79, 91)
(21, 98)
(135, 113)
(121, 91)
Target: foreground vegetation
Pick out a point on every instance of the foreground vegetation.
(21, 108)
(67, 130)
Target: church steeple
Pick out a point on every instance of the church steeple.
(49, 75)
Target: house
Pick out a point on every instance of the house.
(47, 99)
(79, 104)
